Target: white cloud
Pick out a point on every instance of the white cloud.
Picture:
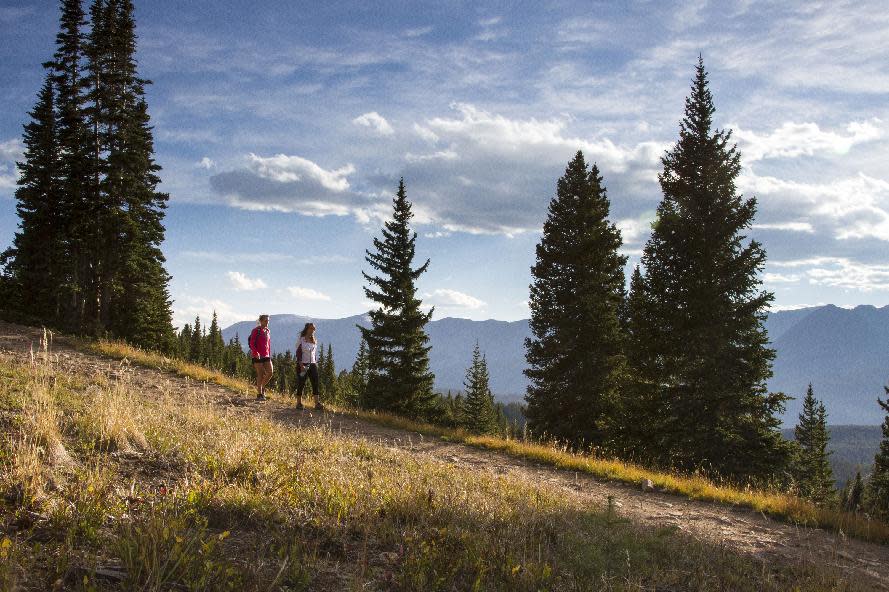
(425, 133)
(782, 307)
(777, 278)
(220, 257)
(307, 293)
(186, 309)
(376, 122)
(295, 184)
(838, 272)
(11, 151)
(789, 226)
(440, 155)
(290, 169)
(855, 207)
(206, 163)
(634, 230)
(445, 298)
(418, 32)
(792, 140)
(241, 282)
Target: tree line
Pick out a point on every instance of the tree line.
(87, 256)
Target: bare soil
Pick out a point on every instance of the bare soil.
(741, 529)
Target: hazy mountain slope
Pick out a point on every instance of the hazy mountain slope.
(843, 353)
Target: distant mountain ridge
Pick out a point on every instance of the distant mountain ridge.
(844, 353)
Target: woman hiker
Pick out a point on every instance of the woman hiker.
(306, 365)
(260, 343)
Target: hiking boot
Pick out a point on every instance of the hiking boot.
(299, 406)
(319, 406)
(261, 397)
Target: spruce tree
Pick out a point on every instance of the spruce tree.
(358, 375)
(812, 464)
(184, 348)
(399, 379)
(196, 352)
(478, 410)
(575, 357)
(136, 284)
(328, 373)
(215, 344)
(852, 500)
(706, 357)
(77, 203)
(878, 484)
(35, 267)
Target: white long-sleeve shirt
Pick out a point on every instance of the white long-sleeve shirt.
(305, 351)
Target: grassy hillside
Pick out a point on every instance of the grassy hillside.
(107, 488)
(777, 504)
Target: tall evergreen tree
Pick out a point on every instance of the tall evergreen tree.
(185, 342)
(76, 202)
(878, 484)
(706, 354)
(358, 375)
(399, 379)
(853, 493)
(812, 463)
(107, 274)
(34, 264)
(136, 287)
(328, 375)
(575, 357)
(215, 344)
(478, 409)
(196, 348)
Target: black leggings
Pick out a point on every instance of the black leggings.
(312, 374)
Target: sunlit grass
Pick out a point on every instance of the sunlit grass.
(217, 497)
(776, 504)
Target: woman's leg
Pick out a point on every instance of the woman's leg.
(267, 371)
(258, 370)
(313, 376)
(300, 385)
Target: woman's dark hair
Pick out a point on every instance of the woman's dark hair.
(305, 329)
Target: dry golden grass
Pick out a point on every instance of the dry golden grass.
(219, 498)
(779, 505)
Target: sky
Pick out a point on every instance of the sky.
(283, 129)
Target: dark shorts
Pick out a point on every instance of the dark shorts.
(261, 360)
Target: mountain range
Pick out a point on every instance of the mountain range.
(843, 352)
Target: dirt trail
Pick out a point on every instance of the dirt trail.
(744, 530)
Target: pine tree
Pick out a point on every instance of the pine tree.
(136, 289)
(358, 375)
(184, 347)
(196, 348)
(322, 386)
(215, 344)
(878, 484)
(812, 465)
(853, 494)
(328, 374)
(399, 379)
(35, 263)
(479, 415)
(575, 357)
(706, 357)
(76, 203)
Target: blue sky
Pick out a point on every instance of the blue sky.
(283, 128)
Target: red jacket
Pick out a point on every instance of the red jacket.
(260, 343)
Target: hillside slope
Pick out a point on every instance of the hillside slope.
(340, 481)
